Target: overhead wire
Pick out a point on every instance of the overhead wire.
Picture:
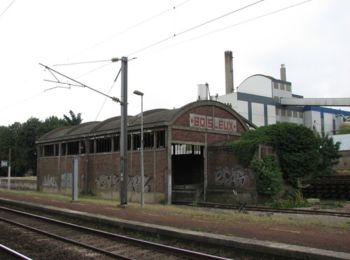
(8, 7)
(137, 24)
(237, 24)
(109, 92)
(194, 28)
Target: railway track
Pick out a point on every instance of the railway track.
(7, 252)
(244, 208)
(101, 242)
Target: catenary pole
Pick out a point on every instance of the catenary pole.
(124, 133)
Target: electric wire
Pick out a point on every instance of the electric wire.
(81, 62)
(108, 93)
(137, 24)
(194, 27)
(8, 7)
(234, 25)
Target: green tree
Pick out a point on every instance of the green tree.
(73, 119)
(329, 154)
(296, 146)
(21, 139)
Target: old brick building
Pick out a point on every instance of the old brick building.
(184, 156)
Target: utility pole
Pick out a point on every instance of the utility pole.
(9, 171)
(124, 134)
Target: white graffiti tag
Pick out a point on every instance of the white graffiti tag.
(230, 177)
(112, 182)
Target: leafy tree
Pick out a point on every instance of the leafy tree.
(73, 119)
(21, 138)
(329, 154)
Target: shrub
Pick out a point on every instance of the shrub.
(268, 176)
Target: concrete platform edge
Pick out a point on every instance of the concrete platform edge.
(259, 246)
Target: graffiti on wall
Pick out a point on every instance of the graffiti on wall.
(236, 177)
(112, 182)
(66, 180)
(50, 182)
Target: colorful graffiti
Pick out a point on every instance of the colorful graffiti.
(236, 177)
(112, 182)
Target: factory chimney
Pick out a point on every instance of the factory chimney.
(229, 72)
(283, 73)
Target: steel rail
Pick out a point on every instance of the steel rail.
(142, 243)
(13, 252)
(265, 209)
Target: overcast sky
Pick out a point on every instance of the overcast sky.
(311, 39)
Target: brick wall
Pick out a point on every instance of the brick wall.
(227, 180)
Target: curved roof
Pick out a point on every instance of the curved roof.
(151, 118)
(268, 77)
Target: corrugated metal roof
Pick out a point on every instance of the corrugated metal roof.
(344, 141)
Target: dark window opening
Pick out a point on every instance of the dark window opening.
(57, 149)
(116, 140)
(82, 147)
(92, 146)
(129, 142)
(73, 148)
(63, 149)
(160, 137)
(148, 140)
(103, 145)
(188, 164)
(136, 139)
(49, 150)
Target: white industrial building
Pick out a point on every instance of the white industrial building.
(265, 100)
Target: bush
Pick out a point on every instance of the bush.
(296, 147)
(293, 201)
(268, 176)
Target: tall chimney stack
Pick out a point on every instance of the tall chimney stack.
(283, 72)
(229, 72)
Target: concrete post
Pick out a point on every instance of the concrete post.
(124, 134)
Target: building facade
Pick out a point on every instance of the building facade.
(259, 98)
(179, 155)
